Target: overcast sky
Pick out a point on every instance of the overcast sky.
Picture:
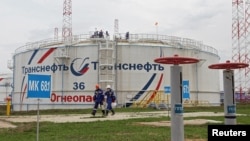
(25, 21)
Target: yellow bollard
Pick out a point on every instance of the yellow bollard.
(8, 105)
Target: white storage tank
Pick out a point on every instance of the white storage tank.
(127, 65)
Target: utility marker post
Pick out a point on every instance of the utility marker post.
(177, 127)
(228, 80)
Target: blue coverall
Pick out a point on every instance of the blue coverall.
(98, 99)
(110, 97)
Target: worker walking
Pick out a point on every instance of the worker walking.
(98, 99)
(110, 97)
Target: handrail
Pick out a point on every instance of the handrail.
(177, 42)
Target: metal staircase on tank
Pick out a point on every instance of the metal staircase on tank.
(106, 63)
(153, 98)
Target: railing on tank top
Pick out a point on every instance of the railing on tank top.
(174, 41)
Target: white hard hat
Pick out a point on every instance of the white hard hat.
(108, 87)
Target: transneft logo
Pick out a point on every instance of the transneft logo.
(81, 69)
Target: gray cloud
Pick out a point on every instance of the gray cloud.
(203, 20)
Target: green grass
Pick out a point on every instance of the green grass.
(120, 130)
(92, 131)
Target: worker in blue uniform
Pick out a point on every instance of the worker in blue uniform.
(109, 97)
(98, 99)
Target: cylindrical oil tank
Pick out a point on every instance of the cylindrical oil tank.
(77, 64)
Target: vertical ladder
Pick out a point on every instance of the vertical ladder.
(61, 57)
(106, 63)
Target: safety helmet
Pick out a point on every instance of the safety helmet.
(108, 87)
(97, 86)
